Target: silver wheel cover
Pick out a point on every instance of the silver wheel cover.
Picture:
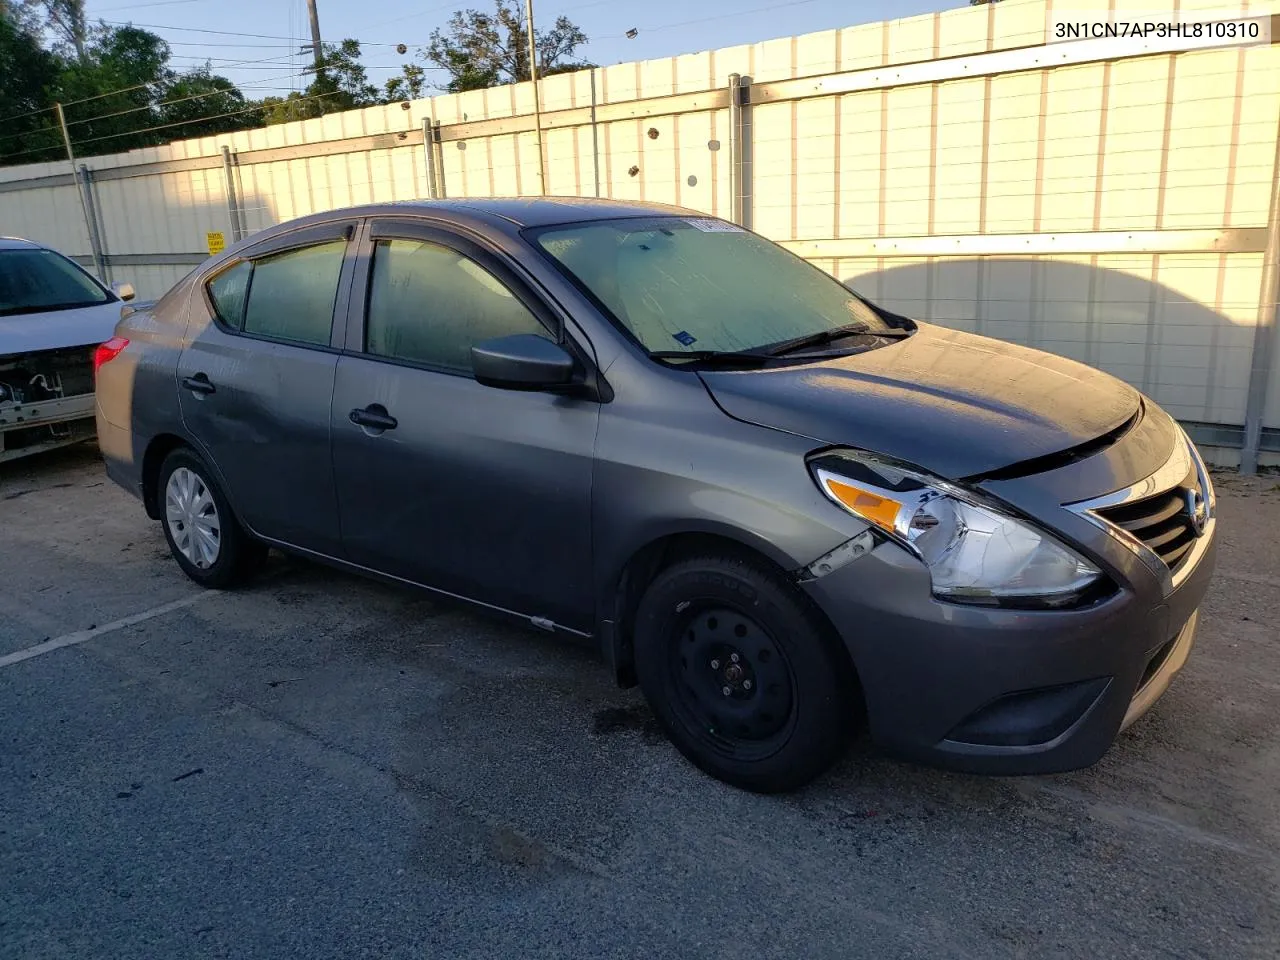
(192, 517)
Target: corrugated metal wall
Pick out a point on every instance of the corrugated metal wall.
(1112, 207)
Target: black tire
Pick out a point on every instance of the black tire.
(238, 556)
(793, 698)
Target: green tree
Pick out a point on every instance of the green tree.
(341, 83)
(204, 104)
(67, 20)
(27, 71)
(410, 85)
(110, 95)
(121, 96)
(486, 49)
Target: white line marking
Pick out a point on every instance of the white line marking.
(83, 636)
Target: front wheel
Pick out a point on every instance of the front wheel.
(743, 673)
(204, 536)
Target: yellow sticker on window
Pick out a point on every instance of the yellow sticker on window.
(217, 242)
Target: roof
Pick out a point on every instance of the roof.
(17, 243)
(541, 211)
(517, 212)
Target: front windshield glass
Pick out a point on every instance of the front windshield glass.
(33, 281)
(699, 284)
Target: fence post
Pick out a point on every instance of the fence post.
(429, 156)
(437, 151)
(740, 173)
(233, 204)
(1264, 333)
(91, 221)
(595, 133)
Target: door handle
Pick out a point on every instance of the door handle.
(374, 416)
(199, 384)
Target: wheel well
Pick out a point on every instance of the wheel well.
(652, 559)
(159, 448)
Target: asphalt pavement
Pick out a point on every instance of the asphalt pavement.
(319, 766)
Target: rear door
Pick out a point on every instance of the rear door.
(256, 380)
(475, 490)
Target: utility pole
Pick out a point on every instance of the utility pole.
(315, 33)
(537, 98)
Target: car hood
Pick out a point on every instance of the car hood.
(956, 404)
(55, 329)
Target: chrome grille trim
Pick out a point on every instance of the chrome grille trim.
(1183, 464)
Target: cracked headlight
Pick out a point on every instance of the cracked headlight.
(975, 551)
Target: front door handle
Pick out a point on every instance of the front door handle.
(199, 384)
(375, 417)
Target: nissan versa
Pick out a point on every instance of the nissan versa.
(781, 509)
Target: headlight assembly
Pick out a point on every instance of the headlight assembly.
(975, 552)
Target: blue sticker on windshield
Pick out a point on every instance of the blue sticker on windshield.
(685, 338)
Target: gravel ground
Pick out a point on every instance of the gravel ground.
(319, 766)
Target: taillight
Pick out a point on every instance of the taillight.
(108, 351)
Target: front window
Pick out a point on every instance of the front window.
(429, 304)
(701, 285)
(36, 281)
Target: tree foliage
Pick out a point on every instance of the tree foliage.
(121, 93)
(340, 83)
(486, 49)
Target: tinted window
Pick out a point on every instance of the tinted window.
(291, 295)
(227, 291)
(698, 283)
(430, 304)
(34, 280)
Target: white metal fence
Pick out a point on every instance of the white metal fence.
(1109, 200)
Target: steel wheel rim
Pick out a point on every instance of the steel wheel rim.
(192, 518)
(715, 648)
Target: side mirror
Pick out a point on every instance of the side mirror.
(524, 361)
(124, 290)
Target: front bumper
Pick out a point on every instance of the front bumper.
(1003, 691)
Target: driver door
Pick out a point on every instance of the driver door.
(477, 491)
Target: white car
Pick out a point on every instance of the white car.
(53, 316)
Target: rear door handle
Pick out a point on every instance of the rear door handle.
(199, 384)
(375, 417)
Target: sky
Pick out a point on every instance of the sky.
(271, 64)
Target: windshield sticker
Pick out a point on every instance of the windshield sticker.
(714, 226)
(685, 338)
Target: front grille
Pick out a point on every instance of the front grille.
(1162, 522)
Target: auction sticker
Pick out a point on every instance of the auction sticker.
(708, 225)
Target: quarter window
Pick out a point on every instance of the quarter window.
(288, 296)
(228, 291)
(429, 304)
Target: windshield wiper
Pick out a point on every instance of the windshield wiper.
(727, 357)
(815, 339)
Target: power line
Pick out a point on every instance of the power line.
(30, 113)
(196, 96)
(185, 123)
(228, 33)
(255, 84)
(139, 6)
(169, 126)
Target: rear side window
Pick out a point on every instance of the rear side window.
(288, 296)
(429, 304)
(229, 290)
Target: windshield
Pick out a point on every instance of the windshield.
(703, 285)
(34, 280)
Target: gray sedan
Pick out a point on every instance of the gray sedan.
(783, 510)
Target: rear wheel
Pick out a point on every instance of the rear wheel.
(743, 673)
(204, 536)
